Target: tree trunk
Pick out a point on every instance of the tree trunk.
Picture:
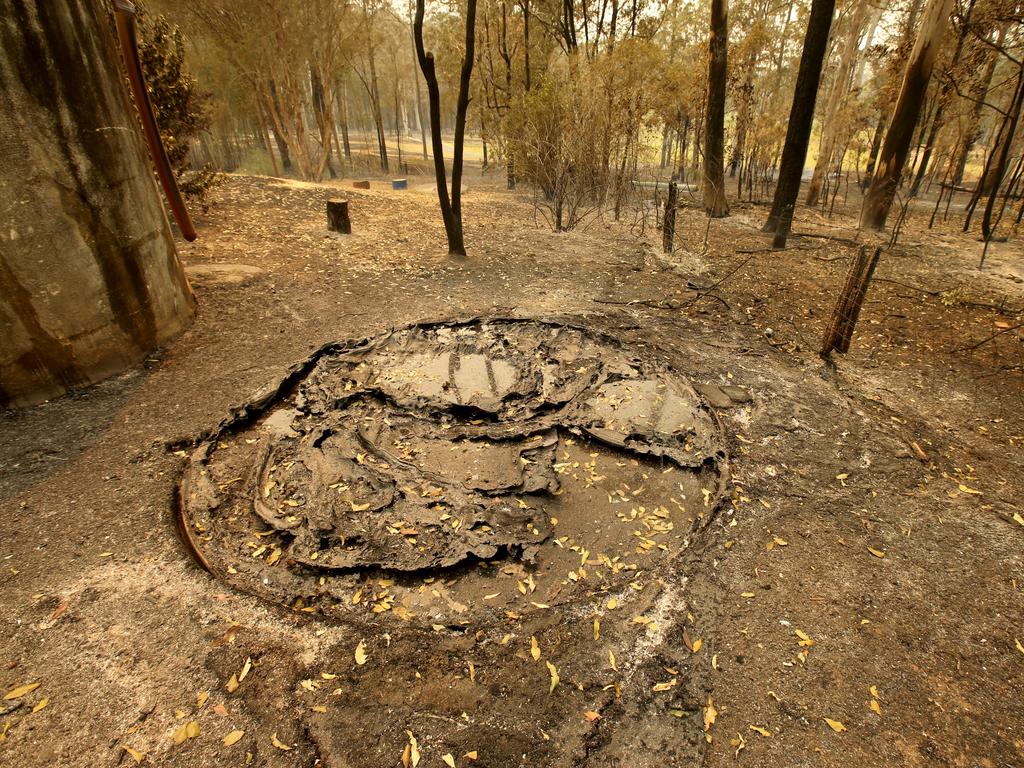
(801, 115)
(343, 107)
(896, 146)
(451, 206)
(378, 113)
(715, 204)
(830, 119)
(90, 282)
(419, 95)
(978, 92)
(876, 146)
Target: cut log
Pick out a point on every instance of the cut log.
(361, 185)
(337, 216)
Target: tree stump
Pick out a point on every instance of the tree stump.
(337, 216)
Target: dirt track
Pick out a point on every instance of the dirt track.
(872, 510)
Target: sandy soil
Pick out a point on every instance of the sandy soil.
(857, 599)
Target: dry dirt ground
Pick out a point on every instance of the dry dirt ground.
(857, 599)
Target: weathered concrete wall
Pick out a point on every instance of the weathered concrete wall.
(89, 278)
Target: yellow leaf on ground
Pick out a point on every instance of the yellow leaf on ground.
(232, 684)
(233, 738)
(835, 725)
(448, 760)
(597, 629)
(591, 715)
(710, 713)
(192, 729)
(179, 735)
(875, 707)
(246, 668)
(134, 754)
(21, 690)
(361, 653)
(876, 552)
(201, 698)
(1018, 644)
(611, 660)
(697, 645)
(470, 755)
(747, 594)
(534, 648)
(278, 743)
(805, 639)
(874, 691)
(762, 731)
(41, 704)
(965, 489)
(613, 603)
(554, 676)
(414, 750)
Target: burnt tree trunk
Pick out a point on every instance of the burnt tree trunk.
(451, 206)
(669, 226)
(944, 96)
(715, 204)
(801, 115)
(830, 127)
(90, 282)
(896, 147)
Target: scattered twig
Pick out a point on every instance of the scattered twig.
(986, 340)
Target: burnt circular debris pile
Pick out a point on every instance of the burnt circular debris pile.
(449, 470)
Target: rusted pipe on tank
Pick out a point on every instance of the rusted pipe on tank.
(124, 16)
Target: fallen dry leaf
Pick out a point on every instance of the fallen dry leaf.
(762, 731)
(835, 725)
(278, 743)
(21, 690)
(40, 704)
(233, 738)
(361, 653)
(534, 648)
(448, 760)
(710, 713)
(554, 676)
(414, 750)
(134, 754)
(591, 715)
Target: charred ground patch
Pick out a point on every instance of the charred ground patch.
(454, 473)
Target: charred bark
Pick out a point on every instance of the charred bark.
(451, 206)
(90, 282)
(896, 146)
(715, 204)
(801, 115)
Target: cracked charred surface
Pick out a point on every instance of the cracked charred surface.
(442, 471)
